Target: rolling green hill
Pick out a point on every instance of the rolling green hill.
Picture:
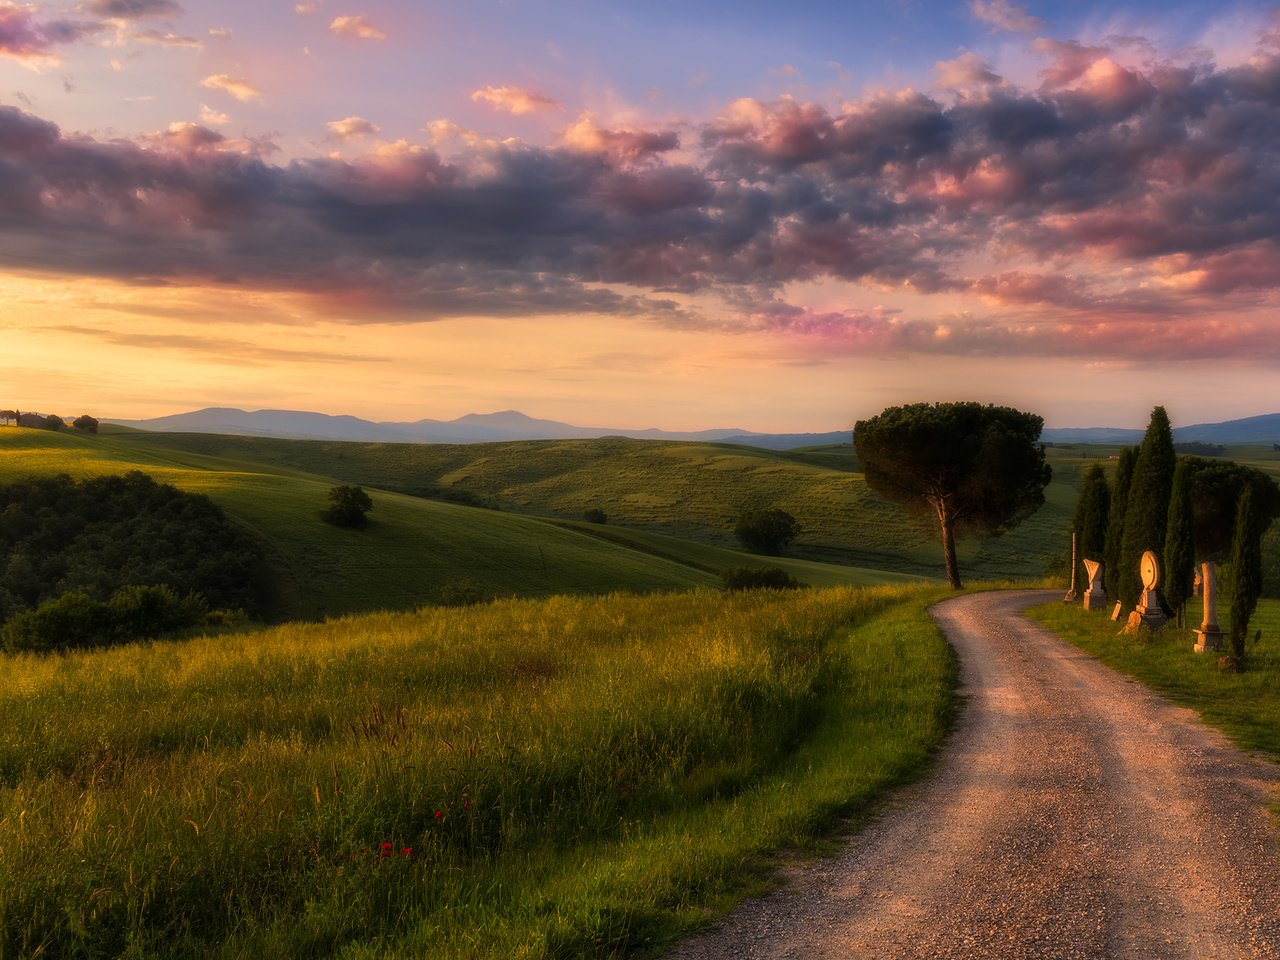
(412, 548)
(694, 491)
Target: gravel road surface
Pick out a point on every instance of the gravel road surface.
(1072, 814)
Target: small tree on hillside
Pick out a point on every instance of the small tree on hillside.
(348, 506)
(1090, 523)
(1147, 514)
(1246, 572)
(1179, 543)
(975, 468)
(1115, 520)
(54, 422)
(85, 423)
(766, 531)
(8, 416)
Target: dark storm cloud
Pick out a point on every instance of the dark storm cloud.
(1170, 174)
(132, 9)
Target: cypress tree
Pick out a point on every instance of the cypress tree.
(1115, 521)
(1146, 516)
(1179, 542)
(1092, 509)
(1246, 571)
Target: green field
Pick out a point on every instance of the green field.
(694, 491)
(413, 547)
(573, 777)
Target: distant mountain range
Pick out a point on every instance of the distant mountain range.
(513, 425)
(473, 428)
(1262, 429)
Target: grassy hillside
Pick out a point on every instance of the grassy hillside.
(690, 490)
(412, 547)
(575, 777)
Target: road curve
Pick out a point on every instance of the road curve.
(1072, 814)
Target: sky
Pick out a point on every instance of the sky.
(776, 217)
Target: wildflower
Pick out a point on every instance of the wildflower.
(407, 853)
(439, 814)
(387, 849)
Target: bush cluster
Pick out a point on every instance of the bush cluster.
(75, 619)
(94, 538)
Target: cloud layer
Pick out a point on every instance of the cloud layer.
(23, 37)
(1115, 209)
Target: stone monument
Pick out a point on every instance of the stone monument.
(1149, 608)
(1095, 598)
(1209, 636)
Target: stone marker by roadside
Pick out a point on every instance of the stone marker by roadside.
(1095, 598)
(1149, 610)
(1072, 595)
(1209, 636)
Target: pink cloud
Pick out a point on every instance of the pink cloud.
(1005, 15)
(355, 27)
(22, 37)
(967, 70)
(351, 128)
(167, 39)
(514, 100)
(1069, 61)
(188, 137)
(237, 87)
(621, 146)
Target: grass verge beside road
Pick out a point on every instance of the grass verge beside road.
(570, 777)
(1246, 705)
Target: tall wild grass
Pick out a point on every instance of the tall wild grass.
(574, 777)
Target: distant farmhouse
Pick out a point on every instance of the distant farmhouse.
(34, 420)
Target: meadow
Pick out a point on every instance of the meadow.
(413, 550)
(571, 777)
(694, 491)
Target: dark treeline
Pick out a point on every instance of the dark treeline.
(67, 544)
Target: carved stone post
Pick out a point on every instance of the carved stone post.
(1209, 636)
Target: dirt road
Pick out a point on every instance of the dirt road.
(1073, 814)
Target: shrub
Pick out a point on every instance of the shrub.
(348, 506)
(596, 515)
(71, 620)
(766, 531)
(148, 611)
(759, 578)
(462, 593)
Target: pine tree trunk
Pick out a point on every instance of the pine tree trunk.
(948, 524)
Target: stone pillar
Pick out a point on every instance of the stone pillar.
(1209, 636)
(1072, 595)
